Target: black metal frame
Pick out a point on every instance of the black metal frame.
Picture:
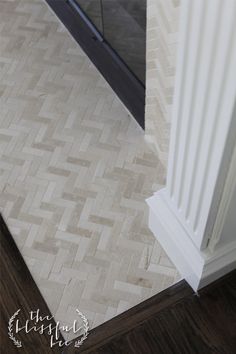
(127, 86)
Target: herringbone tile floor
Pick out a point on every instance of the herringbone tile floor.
(161, 53)
(75, 172)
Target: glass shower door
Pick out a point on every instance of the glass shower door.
(93, 9)
(122, 24)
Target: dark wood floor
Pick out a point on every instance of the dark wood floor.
(176, 321)
(19, 291)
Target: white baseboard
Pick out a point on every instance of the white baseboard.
(198, 268)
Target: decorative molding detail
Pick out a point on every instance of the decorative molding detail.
(202, 110)
(198, 267)
(183, 215)
(229, 187)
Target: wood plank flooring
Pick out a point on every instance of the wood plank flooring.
(175, 321)
(19, 291)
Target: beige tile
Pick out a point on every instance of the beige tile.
(75, 169)
(162, 37)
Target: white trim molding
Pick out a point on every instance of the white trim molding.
(224, 204)
(185, 215)
(197, 267)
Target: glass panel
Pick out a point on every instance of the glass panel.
(124, 24)
(92, 9)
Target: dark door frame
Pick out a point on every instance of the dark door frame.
(126, 85)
